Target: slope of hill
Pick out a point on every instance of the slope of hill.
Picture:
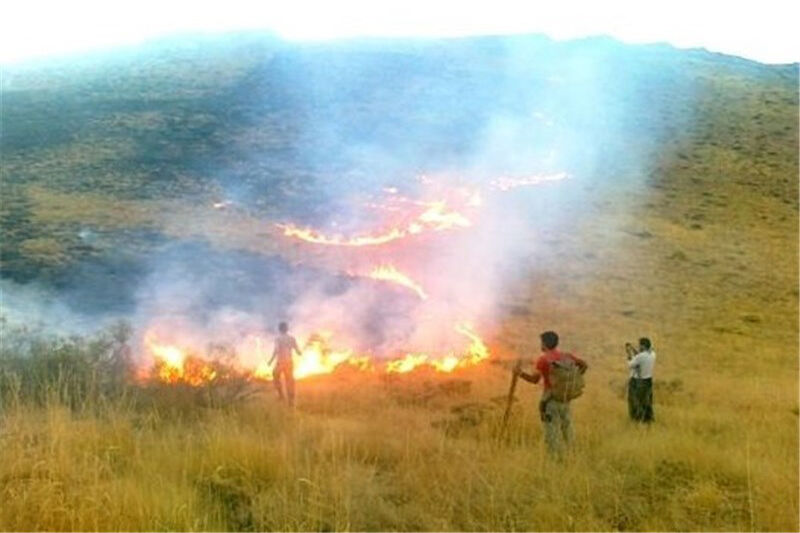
(279, 127)
(679, 221)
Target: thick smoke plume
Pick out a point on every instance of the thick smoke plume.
(329, 131)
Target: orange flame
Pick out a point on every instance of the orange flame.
(407, 363)
(434, 218)
(316, 359)
(315, 237)
(476, 353)
(173, 365)
(392, 275)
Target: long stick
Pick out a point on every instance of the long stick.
(511, 389)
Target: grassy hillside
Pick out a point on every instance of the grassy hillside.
(682, 225)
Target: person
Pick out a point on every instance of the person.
(285, 345)
(640, 384)
(554, 414)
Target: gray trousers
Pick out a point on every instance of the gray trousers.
(557, 425)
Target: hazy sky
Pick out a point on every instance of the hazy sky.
(765, 30)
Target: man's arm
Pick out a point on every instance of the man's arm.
(295, 347)
(630, 351)
(530, 378)
(581, 364)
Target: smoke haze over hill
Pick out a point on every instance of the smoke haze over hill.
(113, 163)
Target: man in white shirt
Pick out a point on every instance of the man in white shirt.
(640, 385)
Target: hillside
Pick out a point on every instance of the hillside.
(149, 180)
(279, 127)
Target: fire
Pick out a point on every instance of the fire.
(392, 275)
(315, 237)
(406, 364)
(436, 217)
(174, 365)
(476, 353)
(317, 358)
(401, 217)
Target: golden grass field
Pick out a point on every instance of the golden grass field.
(422, 452)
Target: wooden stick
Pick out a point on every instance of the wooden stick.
(511, 389)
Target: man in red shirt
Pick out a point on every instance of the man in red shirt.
(554, 414)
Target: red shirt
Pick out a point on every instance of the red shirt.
(543, 363)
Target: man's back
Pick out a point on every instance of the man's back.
(642, 364)
(284, 344)
(547, 358)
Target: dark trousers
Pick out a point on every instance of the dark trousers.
(284, 371)
(640, 399)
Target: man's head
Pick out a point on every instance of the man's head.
(283, 327)
(644, 343)
(549, 340)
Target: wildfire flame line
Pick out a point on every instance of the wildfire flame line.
(435, 218)
(174, 365)
(392, 275)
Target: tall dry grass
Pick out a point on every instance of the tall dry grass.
(421, 452)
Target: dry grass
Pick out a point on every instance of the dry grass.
(361, 453)
(366, 454)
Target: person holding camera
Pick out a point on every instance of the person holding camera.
(640, 384)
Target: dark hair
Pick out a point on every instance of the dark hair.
(644, 342)
(283, 327)
(549, 339)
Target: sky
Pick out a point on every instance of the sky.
(764, 31)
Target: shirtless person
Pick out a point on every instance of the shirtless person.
(285, 344)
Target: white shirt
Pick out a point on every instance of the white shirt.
(642, 364)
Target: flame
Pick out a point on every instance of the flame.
(174, 365)
(435, 217)
(476, 353)
(316, 359)
(402, 217)
(315, 237)
(392, 275)
(407, 363)
(438, 219)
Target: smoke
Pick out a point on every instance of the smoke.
(324, 130)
